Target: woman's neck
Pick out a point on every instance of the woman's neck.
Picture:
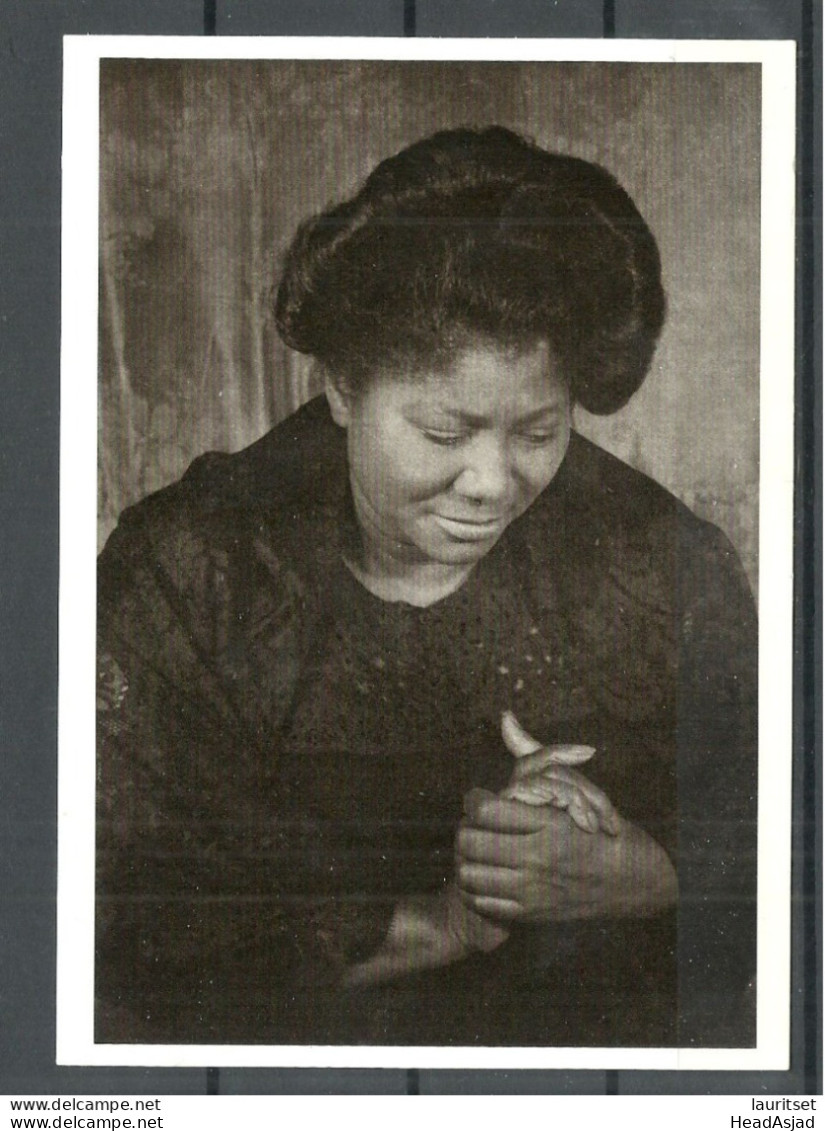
(416, 583)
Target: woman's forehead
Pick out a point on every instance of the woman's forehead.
(484, 381)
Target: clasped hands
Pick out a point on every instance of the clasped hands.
(549, 847)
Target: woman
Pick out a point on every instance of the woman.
(319, 656)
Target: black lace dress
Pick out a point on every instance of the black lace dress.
(283, 756)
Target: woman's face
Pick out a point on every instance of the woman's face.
(442, 461)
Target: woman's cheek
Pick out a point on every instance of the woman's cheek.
(552, 460)
(418, 468)
(536, 472)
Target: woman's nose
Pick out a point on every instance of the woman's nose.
(486, 474)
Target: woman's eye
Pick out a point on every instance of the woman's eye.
(446, 439)
(538, 438)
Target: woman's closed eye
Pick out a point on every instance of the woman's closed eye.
(538, 438)
(452, 439)
(445, 439)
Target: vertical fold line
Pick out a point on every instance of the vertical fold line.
(609, 19)
(409, 17)
(808, 626)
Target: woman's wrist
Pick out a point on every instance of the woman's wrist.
(428, 931)
(647, 880)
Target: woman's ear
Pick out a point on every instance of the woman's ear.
(339, 399)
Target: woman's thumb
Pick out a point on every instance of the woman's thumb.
(521, 745)
(516, 738)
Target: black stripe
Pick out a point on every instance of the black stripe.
(409, 17)
(213, 1081)
(413, 1083)
(609, 19)
(809, 546)
(210, 19)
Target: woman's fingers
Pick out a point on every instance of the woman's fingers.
(588, 805)
(485, 879)
(561, 795)
(595, 798)
(536, 791)
(494, 908)
(486, 810)
(558, 756)
(482, 847)
(582, 813)
(570, 753)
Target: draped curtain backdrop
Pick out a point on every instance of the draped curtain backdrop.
(207, 167)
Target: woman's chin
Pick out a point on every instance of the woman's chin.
(457, 551)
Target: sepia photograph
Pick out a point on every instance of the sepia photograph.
(431, 519)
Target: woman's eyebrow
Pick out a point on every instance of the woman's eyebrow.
(476, 420)
(555, 408)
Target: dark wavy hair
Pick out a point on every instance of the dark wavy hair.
(479, 233)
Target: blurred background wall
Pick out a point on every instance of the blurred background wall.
(207, 167)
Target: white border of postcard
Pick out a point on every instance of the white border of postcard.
(78, 467)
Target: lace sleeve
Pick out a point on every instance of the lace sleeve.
(202, 931)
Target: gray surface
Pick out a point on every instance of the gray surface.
(30, 98)
(708, 19)
(312, 1081)
(310, 17)
(502, 1083)
(509, 17)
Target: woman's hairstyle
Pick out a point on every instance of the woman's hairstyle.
(479, 233)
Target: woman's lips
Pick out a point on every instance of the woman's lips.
(470, 530)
